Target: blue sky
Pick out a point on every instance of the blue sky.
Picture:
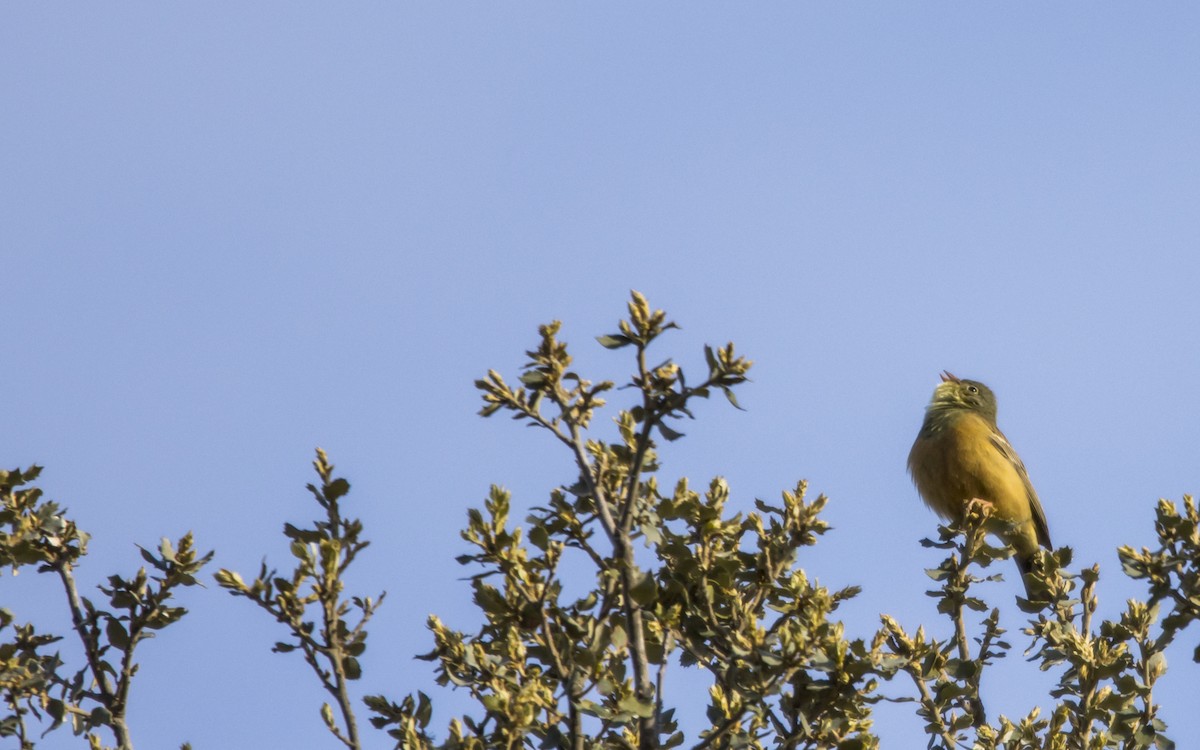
(232, 232)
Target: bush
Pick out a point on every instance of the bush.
(670, 576)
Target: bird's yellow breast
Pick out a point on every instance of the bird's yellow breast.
(958, 462)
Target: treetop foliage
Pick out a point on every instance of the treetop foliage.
(591, 610)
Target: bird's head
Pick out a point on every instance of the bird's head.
(971, 395)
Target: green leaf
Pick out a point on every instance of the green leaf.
(614, 341)
(668, 433)
(732, 398)
(117, 635)
(539, 537)
(57, 710)
(533, 378)
(619, 639)
(644, 592)
(490, 600)
(961, 669)
(99, 717)
(937, 574)
(149, 557)
(337, 488)
(632, 705)
(651, 532)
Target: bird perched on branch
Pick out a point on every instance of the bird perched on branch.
(961, 455)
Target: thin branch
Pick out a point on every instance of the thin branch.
(80, 626)
(335, 656)
(367, 613)
(935, 716)
(108, 693)
(650, 418)
(585, 469)
(721, 731)
(570, 686)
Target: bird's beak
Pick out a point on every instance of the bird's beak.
(947, 377)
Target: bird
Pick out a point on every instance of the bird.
(961, 455)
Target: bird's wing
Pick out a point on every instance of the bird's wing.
(1039, 516)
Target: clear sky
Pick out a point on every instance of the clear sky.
(231, 232)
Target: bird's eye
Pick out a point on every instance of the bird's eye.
(972, 389)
